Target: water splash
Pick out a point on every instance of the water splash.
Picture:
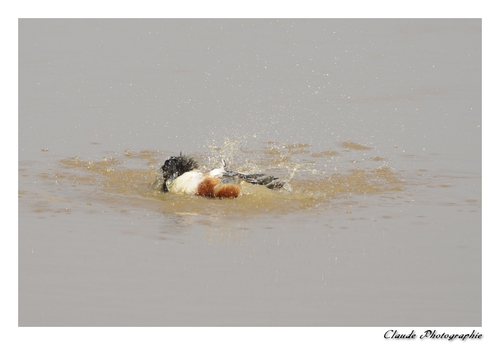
(315, 180)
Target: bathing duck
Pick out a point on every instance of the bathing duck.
(180, 174)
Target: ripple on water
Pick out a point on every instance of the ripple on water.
(313, 181)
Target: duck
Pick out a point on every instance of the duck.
(181, 175)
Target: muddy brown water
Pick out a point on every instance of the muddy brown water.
(375, 125)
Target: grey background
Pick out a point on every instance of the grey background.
(408, 89)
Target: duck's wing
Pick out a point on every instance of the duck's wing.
(228, 176)
(268, 181)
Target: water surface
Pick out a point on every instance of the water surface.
(375, 125)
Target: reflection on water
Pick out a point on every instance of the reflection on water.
(313, 180)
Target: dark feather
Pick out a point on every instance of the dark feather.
(175, 166)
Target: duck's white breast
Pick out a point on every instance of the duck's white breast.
(187, 183)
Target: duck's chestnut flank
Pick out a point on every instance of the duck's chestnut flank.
(214, 188)
(227, 191)
(207, 186)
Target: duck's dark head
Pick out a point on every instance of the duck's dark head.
(175, 166)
